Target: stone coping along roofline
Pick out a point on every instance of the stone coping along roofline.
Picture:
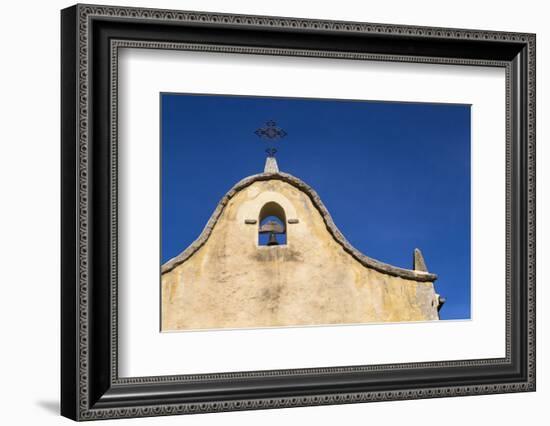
(331, 226)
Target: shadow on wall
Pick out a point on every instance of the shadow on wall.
(51, 407)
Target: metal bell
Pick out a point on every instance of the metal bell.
(272, 240)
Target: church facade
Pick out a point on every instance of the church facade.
(271, 256)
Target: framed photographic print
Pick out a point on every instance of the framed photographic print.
(263, 212)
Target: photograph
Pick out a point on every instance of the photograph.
(264, 209)
(279, 212)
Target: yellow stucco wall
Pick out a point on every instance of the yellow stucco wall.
(231, 282)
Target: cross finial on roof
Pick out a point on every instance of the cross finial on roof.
(270, 133)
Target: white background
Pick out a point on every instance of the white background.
(146, 352)
(29, 225)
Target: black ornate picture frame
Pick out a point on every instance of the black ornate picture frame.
(91, 387)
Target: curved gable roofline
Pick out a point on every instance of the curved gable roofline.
(331, 227)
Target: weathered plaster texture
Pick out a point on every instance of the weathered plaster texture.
(225, 280)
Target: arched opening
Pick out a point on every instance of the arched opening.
(272, 225)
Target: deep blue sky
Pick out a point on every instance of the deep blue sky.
(394, 176)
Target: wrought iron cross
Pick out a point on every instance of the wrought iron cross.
(270, 133)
